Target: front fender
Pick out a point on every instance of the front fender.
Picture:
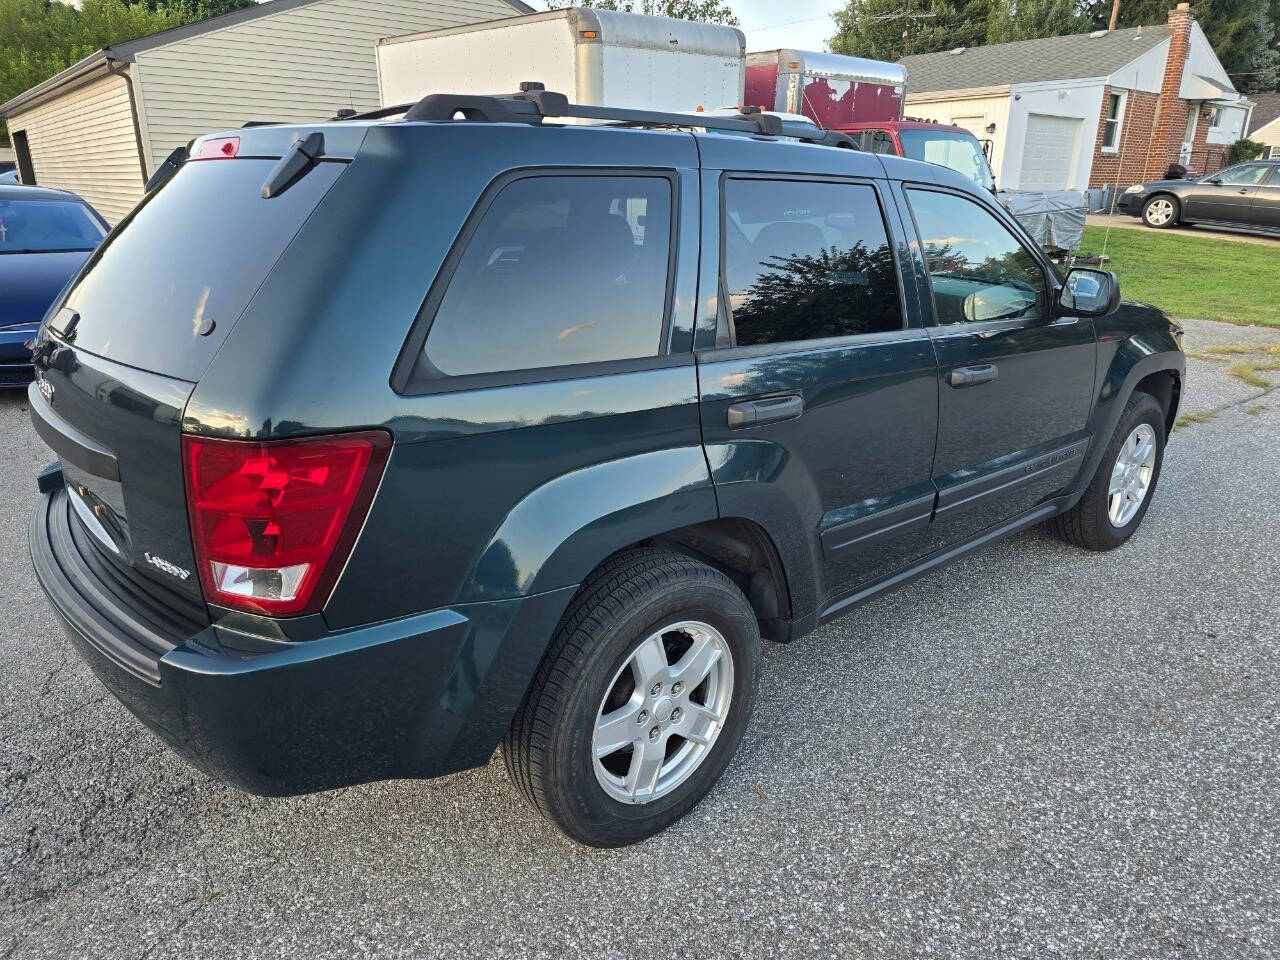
(563, 529)
(1133, 343)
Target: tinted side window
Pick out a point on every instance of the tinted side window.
(806, 260)
(1244, 176)
(560, 270)
(978, 268)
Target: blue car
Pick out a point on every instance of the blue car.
(45, 238)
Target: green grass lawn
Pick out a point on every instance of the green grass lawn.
(1205, 278)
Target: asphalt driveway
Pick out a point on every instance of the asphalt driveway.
(1035, 752)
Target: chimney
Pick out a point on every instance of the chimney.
(1171, 112)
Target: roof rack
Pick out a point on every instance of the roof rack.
(534, 103)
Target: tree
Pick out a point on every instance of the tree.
(1031, 19)
(874, 28)
(1256, 51)
(708, 11)
(39, 38)
(1241, 32)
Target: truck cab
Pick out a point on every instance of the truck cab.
(940, 143)
(863, 98)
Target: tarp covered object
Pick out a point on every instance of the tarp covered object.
(1054, 219)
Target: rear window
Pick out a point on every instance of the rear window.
(561, 270)
(45, 226)
(191, 254)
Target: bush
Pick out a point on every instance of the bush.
(1245, 149)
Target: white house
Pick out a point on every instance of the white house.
(1089, 109)
(100, 127)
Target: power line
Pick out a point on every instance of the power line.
(907, 15)
(788, 23)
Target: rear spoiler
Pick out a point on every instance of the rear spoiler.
(297, 148)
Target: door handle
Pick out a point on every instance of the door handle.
(972, 376)
(1243, 191)
(752, 413)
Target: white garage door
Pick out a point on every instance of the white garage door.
(1048, 152)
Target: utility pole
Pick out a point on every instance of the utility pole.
(1115, 15)
(905, 15)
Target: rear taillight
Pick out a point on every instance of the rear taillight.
(219, 148)
(274, 521)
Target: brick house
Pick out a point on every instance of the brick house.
(1109, 107)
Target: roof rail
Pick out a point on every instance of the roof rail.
(533, 103)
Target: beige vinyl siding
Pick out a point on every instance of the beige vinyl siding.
(975, 113)
(300, 65)
(83, 141)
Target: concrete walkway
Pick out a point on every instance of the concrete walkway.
(1133, 223)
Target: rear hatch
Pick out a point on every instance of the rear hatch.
(140, 326)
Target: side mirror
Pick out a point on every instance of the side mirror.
(1089, 293)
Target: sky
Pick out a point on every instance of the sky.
(800, 24)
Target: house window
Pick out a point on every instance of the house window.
(1218, 114)
(1111, 123)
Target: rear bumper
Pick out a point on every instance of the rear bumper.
(417, 697)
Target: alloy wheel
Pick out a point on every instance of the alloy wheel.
(662, 712)
(1131, 475)
(1159, 211)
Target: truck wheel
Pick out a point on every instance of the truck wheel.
(1117, 497)
(640, 702)
(1160, 211)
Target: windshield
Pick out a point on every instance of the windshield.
(41, 226)
(959, 151)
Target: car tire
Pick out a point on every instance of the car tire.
(1104, 518)
(1161, 211)
(593, 670)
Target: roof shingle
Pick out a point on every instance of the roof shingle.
(1267, 109)
(1030, 61)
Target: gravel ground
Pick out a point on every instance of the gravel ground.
(1035, 752)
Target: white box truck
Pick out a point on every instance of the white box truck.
(594, 57)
